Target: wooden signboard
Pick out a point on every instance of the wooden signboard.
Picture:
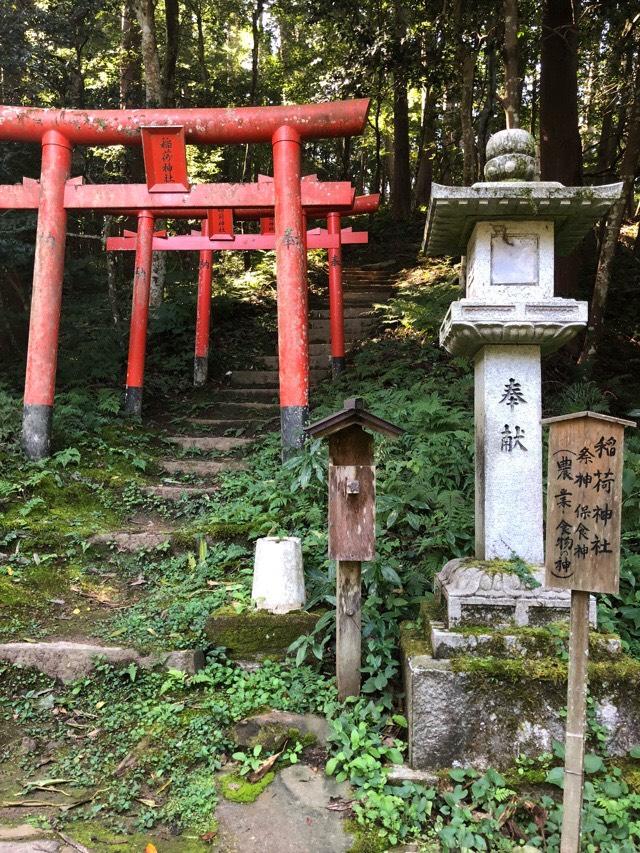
(584, 501)
(220, 223)
(584, 498)
(165, 159)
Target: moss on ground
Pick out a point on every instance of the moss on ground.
(239, 790)
(100, 838)
(256, 635)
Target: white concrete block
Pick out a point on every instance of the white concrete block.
(278, 575)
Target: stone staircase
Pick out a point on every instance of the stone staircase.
(248, 405)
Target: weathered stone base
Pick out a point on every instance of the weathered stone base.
(258, 635)
(498, 696)
(488, 593)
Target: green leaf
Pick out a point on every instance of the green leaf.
(555, 776)
(459, 774)
(593, 763)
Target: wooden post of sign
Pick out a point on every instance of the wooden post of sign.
(584, 498)
(352, 524)
(348, 627)
(576, 721)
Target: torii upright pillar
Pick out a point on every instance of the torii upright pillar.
(139, 314)
(336, 306)
(291, 270)
(46, 296)
(203, 315)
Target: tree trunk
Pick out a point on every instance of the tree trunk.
(511, 100)
(614, 223)
(154, 97)
(560, 147)
(202, 60)
(466, 118)
(424, 176)
(172, 29)
(484, 119)
(150, 56)
(401, 183)
(256, 29)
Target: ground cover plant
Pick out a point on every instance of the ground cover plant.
(138, 749)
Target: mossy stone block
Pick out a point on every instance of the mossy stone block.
(258, 635)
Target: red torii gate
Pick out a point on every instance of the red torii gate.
(222, 220)
(57, 131)
(199, 241)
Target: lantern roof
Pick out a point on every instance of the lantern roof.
(353, 414)
(510, 193)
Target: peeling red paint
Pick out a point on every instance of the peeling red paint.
(220, 126)
(336, 309)
(291, 268)
(140, 301)
(48, 270)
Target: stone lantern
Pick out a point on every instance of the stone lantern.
(510, 228)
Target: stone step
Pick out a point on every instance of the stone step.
(221, 443)
(317, 363)
(220, 426)
(241, 410)
(245, 395)
(67, 661)
(200, 467)
(268, 378)
(353, 330)
(324, 313)
(170, 492)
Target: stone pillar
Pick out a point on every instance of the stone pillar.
(508, 453)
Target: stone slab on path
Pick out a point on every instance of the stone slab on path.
(271, 729)
(200, 467)
(176, 491)
(24, 838)
(66, 661)
(290, 816)
(132, 541)
(221, 443)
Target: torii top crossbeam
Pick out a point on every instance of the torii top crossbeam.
(219, 126)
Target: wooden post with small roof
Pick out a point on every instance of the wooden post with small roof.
(352, 523)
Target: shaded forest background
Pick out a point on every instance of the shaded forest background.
(442, 75)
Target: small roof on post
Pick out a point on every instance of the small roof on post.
(596, 416)
(353, 414)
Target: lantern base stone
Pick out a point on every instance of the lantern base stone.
(481, 696)
(489, 593)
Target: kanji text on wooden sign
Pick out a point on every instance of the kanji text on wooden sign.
(165, 159)
(584, 496)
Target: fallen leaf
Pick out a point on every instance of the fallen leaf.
(151, 848)
(149, 803)
(266, 766)
(208, 837)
